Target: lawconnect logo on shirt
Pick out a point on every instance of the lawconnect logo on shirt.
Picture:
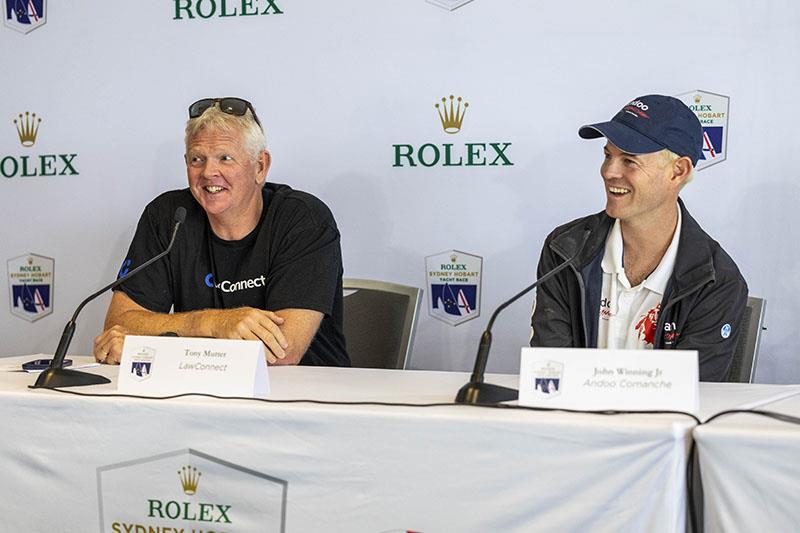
(233, 286)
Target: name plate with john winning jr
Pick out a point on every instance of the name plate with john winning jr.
(163, 366)
(620, 380)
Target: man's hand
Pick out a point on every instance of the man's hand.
(286, 333)
(249, 323)
(108, 345)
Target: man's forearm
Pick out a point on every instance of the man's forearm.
(142, 322)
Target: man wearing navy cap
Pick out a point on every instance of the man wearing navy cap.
(646, 275)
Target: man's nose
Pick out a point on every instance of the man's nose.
(611, 169)
(210, 168)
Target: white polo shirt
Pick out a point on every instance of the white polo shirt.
(628, 315)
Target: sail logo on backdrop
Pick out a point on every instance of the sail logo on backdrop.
(452, 112)
(27, 127)
(30, 286)
(206, 9)
(208, 495)
(25, 16)
(454, 286)
(712, 111)
(449, 5)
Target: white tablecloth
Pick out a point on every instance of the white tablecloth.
(354, 468)
(750, 467)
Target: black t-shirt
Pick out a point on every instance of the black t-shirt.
(292, 259)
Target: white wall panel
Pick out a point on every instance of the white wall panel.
(338, 83)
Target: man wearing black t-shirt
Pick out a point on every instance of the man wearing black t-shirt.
(252, 261)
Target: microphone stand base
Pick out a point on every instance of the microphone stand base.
(62, 377)
(478, 392)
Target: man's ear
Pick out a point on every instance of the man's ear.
(262, 166)
(681, 170)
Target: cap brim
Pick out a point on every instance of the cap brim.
(625, 138)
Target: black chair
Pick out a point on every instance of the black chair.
(746, 354)
(380, 319)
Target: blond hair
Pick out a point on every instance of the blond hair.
(255, 142)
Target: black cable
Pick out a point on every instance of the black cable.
(607, 412)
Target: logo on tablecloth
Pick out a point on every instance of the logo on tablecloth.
(547, 379)
(30, 285)
(712, 111)
(454, 286)
(25, 16)
(143, 495)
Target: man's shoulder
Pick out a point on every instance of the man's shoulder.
(701, 246)
(579, 225)
(289, 202)
(165, 204)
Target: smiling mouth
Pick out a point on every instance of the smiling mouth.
(618, 191)
(213, 189)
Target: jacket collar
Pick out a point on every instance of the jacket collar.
(694, 264)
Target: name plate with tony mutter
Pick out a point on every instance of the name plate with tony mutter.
(163, 366)
(620, 380)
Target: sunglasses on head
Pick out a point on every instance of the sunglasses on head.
(230, 105)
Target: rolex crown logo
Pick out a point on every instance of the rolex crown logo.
(453, 258)
(190, 478)
(697, 99)
(453, 115)
(27, 128)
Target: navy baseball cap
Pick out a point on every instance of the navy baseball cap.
(650, 124)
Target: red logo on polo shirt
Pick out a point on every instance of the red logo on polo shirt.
(647, 325)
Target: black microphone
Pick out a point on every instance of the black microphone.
(56, 375)
(478, 392)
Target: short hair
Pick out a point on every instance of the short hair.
(213, 118)
(668, 157)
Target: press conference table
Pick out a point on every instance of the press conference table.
(751, 471)
(370, 468)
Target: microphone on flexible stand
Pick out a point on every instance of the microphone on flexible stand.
(479, 392)
(57, 376)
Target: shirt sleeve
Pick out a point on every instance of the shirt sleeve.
(152, 287)
(306, 268)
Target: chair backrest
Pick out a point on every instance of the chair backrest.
(746, 354)
(380, 319)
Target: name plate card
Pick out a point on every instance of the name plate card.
(620, 380)
(163, 366)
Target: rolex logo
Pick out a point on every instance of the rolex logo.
(453, 116)
(27, 128)
(450, 154)
(190, 478)
(697, 99)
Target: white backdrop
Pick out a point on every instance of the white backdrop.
(337, 84)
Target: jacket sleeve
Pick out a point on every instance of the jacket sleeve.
(551, 322)
(712, 326)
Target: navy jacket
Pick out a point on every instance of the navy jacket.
(701, 310)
